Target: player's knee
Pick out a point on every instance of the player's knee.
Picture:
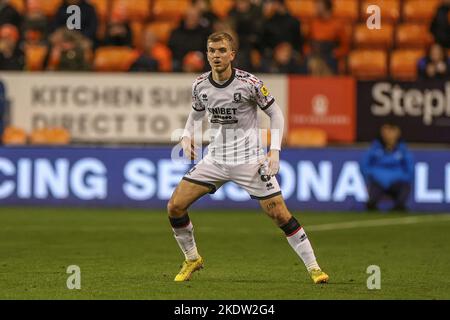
(277, 211)
(175, 208)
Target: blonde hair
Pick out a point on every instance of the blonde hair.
(219, 36)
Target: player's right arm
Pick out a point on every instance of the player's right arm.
(193, 125)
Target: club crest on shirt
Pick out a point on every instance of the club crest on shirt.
(264, 91)
(237, 97)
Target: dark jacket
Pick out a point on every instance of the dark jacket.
(15, 62)
(144, 63)
(9, 15)
(281, 28)
(89, 20)
(386, 167)
(183, 40)
(440, 26)
(422, 69)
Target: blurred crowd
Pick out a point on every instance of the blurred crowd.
(269, 37)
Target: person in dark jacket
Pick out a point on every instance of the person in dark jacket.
(189, 36)
(435, 65)
(11, 55)
(440, 25)
(9, 15)
(280, 27)
(388, 168)
(89, 20)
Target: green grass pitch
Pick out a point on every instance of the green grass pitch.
(131, 254)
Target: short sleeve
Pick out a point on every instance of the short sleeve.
(196, 102)
(262, 95)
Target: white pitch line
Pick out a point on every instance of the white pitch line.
(377, 222)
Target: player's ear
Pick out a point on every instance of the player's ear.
(233, 54)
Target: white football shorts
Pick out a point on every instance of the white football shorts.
(213, 175)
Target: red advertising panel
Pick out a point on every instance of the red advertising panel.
(323, 103)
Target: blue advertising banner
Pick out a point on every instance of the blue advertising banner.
(311, 179)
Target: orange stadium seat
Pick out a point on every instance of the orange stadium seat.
(101, 7)
(114, 58)
(47, 7)
(390, 9)
(50, 136)
(162, 29)
(133, 10)
(19, 5)
(170, 9)
(403, 64)
(375, 38)
(221, 7)
(14, 136)
(304, 9)
(137, 29)
(161, 53)
(346, 9)
(413, 35)
(368, 64)
(419, 10)
(34, 57)
(307, 137)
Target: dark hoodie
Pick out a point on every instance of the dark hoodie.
(183, 40)
(89, 20)
(440, 26)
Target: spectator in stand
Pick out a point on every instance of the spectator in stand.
(284, 60)
(69, 51)
(9, 14)
(327, 37)
(207, 17)
(35, 27)
(440, 25)
(280, 27)
(189, 36)
(118, 32)
(89, 22)
(388, 168)
(148, 58)
(435, 65)
(11, 56)
(245, 19)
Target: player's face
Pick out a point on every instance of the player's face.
(220, 55)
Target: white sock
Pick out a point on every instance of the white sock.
(301, 245)
(186, 241)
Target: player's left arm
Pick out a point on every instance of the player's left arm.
(276, 136)
(267, 103)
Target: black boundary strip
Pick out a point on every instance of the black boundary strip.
(201, 183)
(225, 309)
(266, 197)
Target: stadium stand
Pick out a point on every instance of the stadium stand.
(114, 58)
(419, 10)
(368, 63)
(376, 38)
(169, 9)
(413, 35)
(405, 25)
(403, 63)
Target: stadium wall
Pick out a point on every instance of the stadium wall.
(311, 179)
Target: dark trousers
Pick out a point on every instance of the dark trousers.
(398, 192)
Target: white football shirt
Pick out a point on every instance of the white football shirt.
(231, 108)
